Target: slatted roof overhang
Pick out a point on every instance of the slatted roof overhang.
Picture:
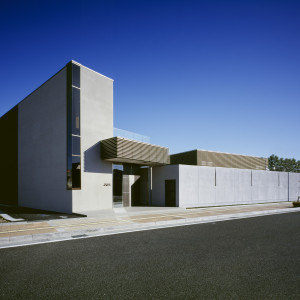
(122, 150)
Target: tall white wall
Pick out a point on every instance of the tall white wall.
(43, 148)
(206, 186)
(96, 124)
(294, 183)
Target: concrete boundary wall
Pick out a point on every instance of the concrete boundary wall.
(213, 186)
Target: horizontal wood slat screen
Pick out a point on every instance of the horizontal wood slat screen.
(118, 149)
(219, 159)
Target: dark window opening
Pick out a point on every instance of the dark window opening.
(76, 75)
(75, 111)
(73, 127)
(75, 145)
(76, 172)
(170, 193)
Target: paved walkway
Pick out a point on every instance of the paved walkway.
(130, 219)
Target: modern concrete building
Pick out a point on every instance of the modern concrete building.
(51, 145)
(60, 153)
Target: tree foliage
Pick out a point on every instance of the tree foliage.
(283, 164)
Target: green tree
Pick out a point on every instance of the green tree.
(283, 164)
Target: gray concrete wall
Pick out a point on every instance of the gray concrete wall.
(96, 124)
(207, 186)
(42, 147)
(294, 183)
(159, 175)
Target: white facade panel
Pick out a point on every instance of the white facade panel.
(96, 96)
(206, 186)
(294, 184)
(242, 186)
(188, 185)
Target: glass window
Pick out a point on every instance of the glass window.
(73, 127)
(75, 111)
(75, 145)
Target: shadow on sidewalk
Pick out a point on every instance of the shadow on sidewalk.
(31, 214)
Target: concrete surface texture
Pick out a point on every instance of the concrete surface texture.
(120, 220)
(42, 147)
(198, 186)
(96, 124)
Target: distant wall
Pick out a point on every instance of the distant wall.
(208, 186)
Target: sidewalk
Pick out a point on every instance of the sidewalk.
(129, 219)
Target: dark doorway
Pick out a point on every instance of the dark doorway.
(170, 193)
(135, 193)
(117, 186)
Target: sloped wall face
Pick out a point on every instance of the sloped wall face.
(42, 147)
(96, 109)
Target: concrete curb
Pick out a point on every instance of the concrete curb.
(25, 240)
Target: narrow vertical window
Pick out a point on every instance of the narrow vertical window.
(73, 127)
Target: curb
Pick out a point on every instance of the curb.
(26, 240)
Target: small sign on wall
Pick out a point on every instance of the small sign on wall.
(106, 184)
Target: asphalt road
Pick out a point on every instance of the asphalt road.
(255, 258)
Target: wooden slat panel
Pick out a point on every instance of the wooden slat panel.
(135, 152)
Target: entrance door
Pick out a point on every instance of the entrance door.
(170, 193)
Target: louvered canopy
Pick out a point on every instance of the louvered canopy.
(122, 150)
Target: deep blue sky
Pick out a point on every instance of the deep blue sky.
(214, 75)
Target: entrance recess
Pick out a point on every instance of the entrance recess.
(170, 193)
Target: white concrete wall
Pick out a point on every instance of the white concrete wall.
(159, 175)
(206, 186)
(43, 147)
(294, 183)
(96, 124)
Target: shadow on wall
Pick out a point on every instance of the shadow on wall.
(93, 162)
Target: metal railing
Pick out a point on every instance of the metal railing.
(131, 135)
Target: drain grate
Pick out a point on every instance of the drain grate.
(78, 236)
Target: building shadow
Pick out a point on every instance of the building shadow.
(93, 162)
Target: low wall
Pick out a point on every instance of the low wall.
(209, 186)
